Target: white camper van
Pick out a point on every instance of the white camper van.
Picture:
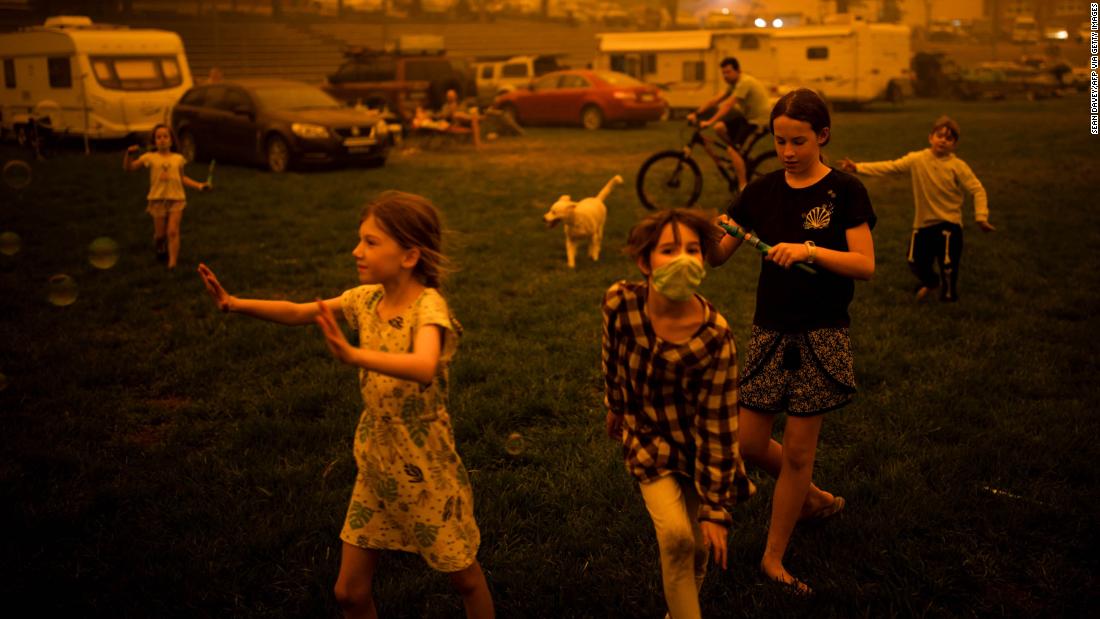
(90, 80)
(855, 62)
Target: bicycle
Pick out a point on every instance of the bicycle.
(672, 178)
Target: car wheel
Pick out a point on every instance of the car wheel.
(591, 118)
(511, 115)
(188, 148)
(278, 154)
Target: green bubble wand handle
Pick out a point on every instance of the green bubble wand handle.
(738, 232)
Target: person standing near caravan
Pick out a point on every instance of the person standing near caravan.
(741, 110)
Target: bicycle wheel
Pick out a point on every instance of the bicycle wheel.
(668, 179)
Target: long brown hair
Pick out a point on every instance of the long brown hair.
(413, 222)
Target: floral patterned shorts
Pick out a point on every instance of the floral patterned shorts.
(804, 374)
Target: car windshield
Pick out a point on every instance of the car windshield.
(618, 79)
(293, 98)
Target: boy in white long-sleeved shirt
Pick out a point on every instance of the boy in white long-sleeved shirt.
(940, 184)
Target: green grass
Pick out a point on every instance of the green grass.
(161, 459)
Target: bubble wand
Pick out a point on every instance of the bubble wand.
(738, 232)
(210, 174)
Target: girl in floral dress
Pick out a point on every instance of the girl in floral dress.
(412, 492)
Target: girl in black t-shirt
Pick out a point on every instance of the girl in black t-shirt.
(799, 358)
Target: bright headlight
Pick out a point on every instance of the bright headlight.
(307, 130)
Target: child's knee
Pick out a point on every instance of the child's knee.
(467, 581)
(798, 459)
(678, 545)
(353, 593)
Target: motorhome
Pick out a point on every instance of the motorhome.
(852, 63)
(93, 80)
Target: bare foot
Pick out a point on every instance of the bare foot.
(922, 292)
(777, 573)
(815, 503)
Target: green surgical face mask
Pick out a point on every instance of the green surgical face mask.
(679, 278)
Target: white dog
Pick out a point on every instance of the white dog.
(583, 220)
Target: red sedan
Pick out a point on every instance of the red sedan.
(589, 98)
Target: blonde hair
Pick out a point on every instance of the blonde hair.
(413, 222)
(646, 233)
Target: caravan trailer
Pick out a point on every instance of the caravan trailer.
(854, 63)
(92, 80)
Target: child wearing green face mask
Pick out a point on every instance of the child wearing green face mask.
(670, 369)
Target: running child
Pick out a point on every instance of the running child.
(412, 492)
(166, 199)
(940, 183)
(671, 392)
(799, 359)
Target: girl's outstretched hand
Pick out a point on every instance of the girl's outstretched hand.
(334, 336)
(221, 298)
(714, 538)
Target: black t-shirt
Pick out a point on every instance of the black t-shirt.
(793, 300)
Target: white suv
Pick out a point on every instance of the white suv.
(494, 78)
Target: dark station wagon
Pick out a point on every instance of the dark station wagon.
(277, 123)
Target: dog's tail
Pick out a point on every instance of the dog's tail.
(606, 191)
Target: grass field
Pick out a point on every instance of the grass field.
(160, 459)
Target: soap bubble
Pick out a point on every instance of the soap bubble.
(10, 243)
(17, 174)
(514, 444)
(103, 253)
(62, 290)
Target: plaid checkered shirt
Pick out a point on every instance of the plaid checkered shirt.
(678, 401)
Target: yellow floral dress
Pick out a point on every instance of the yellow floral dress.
(412, 492)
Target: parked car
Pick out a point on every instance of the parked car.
(277, 123)
(998, 80)
(417, 72)
(591, 99)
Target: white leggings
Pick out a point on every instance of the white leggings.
(673, 505)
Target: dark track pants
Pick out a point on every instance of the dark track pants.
(941, 244)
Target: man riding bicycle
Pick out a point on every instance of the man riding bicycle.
(741, 110)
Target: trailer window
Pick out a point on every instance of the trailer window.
(61, 72)
(649, 63)
(9, 73)
(136, 73)
(749, 41)
(817, 53)
(695, 71)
